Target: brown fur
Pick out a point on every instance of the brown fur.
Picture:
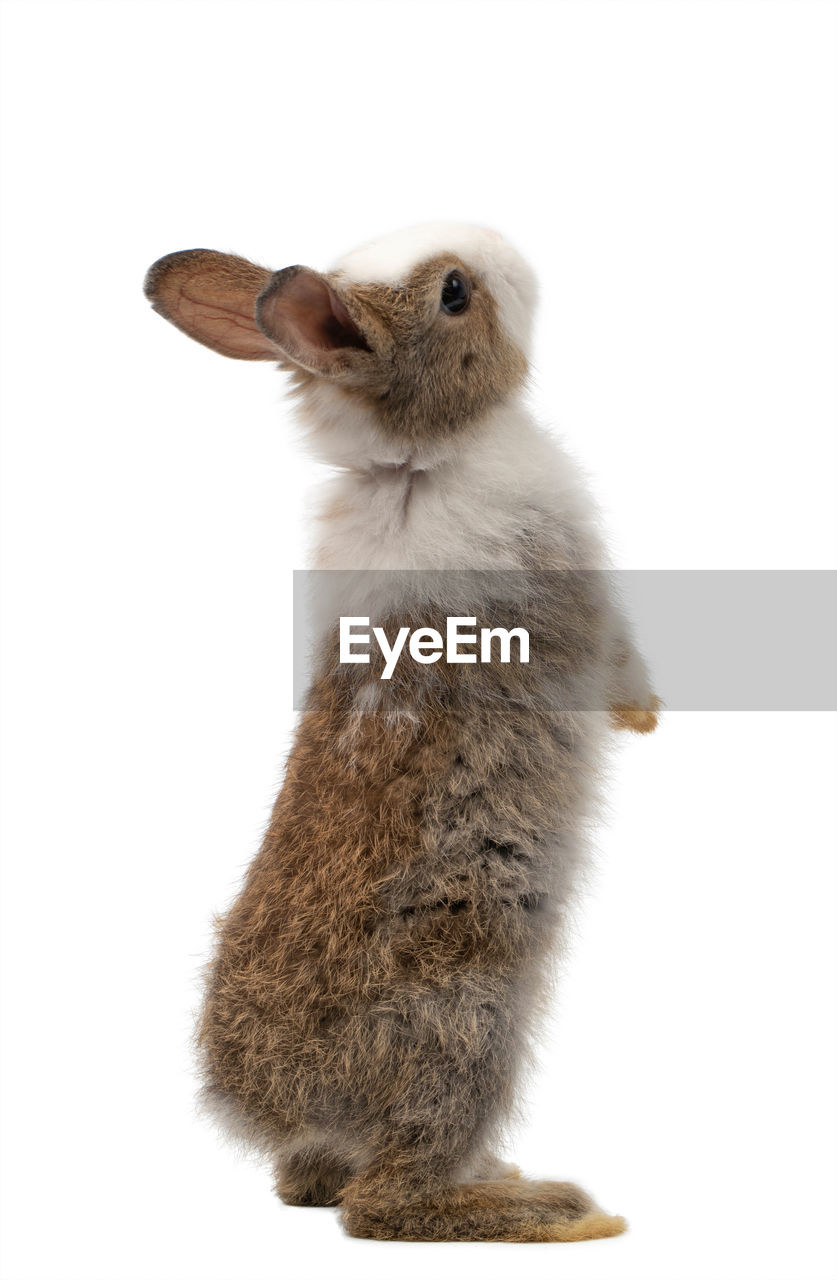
(523, 1212)
(437, 372)
(373, 983)
(624, 715)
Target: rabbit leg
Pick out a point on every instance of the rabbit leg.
(414, 1190)
(443, 1082)
(311, 1177)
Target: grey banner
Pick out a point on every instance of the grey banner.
(713, 640)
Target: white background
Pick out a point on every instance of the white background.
(669, 170)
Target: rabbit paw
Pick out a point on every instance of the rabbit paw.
(629, 715)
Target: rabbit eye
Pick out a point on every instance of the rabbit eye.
(456, 294)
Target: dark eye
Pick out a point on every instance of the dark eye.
(455, 294)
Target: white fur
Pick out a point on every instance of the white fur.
(458, 506)
(390, 259)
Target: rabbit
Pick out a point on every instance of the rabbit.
(375, 986)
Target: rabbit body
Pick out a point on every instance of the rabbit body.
(375, 983)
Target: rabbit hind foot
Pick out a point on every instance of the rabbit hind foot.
(508, 1209)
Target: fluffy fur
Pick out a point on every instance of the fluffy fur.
(376, 982)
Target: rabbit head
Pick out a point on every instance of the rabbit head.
(417, 335)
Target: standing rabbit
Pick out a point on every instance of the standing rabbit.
(374, 984)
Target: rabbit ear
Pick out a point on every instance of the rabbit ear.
(301, 312)
(212, 297)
